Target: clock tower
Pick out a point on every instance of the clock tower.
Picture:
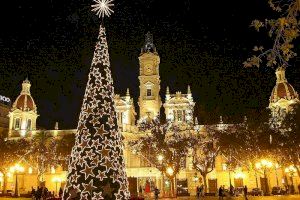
(149, 100)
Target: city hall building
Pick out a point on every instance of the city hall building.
(19, 119)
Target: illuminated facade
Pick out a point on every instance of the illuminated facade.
(179, 108)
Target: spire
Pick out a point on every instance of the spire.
(167, 91)
(280, 74)
(148, 46)
(189, 93)
(96, 166)
(26, 87)
(168, 94)
(56, 126)
(189, 90)
(196, 121)
(127, 95)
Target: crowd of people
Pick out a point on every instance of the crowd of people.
(222, 192)
(42, 193)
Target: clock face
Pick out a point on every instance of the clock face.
(148, 69)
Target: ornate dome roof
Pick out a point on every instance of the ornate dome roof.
(282, 89)
(25, 101)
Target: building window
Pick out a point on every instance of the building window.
(28, 124)
(149, 92)
(17, 123)
(179, 115)
(224, 166)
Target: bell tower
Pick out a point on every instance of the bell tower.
(149, 100)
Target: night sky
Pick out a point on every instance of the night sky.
(201, 43)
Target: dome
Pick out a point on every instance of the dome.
(282, 89)
(24, 102)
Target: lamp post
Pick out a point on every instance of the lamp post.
(170, 172)
(196, 178)
(256, 181)
(56, 180)
(160, 158)
(16, 170)
(276, 174)
(291, 170)
(264, 165)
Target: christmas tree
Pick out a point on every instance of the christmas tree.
(96, 167)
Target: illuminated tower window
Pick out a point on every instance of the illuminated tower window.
(149, 92)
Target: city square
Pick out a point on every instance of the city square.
(103, 99)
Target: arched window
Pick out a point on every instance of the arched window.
(17, 123)
(28, 124)
(149, 92)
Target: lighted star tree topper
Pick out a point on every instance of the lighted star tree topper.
(102, 8)
(96, 167)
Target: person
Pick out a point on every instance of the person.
(292, 189)
(202, 190)
(140, 191)
(231, 190)
(156, 193)
(60, 193)
(198, 192)
(245, 192)
(32, 193)
(38, 193)
(221, 191)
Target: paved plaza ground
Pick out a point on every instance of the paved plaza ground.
(291, 197)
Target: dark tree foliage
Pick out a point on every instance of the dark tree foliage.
(288, 139)
(283, 31)
(64, 148)
(246, 143)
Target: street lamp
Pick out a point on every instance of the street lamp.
(56, 180)
(291, 170)
(16, 170)
(170, 171)
(30, 170)
(276, 174)
(52, 170)
(264, 165)
(196, 178)
(160, 158)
